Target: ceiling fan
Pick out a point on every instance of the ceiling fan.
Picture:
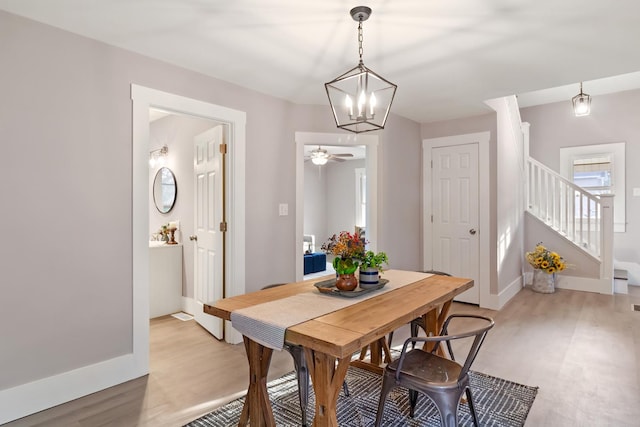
(321, 156)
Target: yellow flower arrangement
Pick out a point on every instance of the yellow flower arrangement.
(542, 258)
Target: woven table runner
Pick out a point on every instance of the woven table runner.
(266, 323)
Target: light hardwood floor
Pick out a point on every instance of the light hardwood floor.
(581, 349)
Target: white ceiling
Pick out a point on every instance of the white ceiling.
(446, 56)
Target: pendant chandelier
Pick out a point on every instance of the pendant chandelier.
(360, 99)
(581, 103)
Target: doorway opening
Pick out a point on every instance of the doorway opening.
(177, 279)
(143, 99)
(315, 139)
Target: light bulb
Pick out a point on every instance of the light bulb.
(319, 161)
(372, 103)
(581, 108)
(362, 101)
(348, 103)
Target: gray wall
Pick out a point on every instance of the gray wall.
(341, 196)
(329, 198)
(613, 118)
(315, 202)
(65, 118)
(400, 194)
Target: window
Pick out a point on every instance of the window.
(594, 174)
(599, 169)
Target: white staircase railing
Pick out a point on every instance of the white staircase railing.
(573, 212)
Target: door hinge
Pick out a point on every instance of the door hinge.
(223, 148)
(223, 226)
(431, 219)
(431, 164)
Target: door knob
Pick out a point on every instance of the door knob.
(472, 231)
(193, 237)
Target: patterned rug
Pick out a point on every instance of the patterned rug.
(498, 402)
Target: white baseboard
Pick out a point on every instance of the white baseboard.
(587, 284)
(498, 301)
(189, 305)
(27, 399)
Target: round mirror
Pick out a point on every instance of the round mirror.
(165, 190)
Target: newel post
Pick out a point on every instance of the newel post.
(606, 238)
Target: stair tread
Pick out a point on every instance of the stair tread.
(620, 274)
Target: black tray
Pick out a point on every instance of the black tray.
(329, 287)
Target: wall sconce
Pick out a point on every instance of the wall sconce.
(158, 157)
(581, 103)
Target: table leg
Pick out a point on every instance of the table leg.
(257, 407)
(433, 321)
(379, 355)
(327, 378)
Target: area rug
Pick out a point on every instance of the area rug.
(498, 402)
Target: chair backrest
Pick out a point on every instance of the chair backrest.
(439, 273)
(478, 335)
(274, 285)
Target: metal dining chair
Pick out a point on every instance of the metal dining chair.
(302, 372)
(418, 322)
(444, 381)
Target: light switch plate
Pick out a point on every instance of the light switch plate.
(283, 209)
(636, 192)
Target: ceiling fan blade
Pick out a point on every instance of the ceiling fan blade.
(337, 159)
(343, 155)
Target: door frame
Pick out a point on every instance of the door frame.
(144, 98)
(371, 164)
(482, 139)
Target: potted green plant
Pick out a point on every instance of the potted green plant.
(371, 265)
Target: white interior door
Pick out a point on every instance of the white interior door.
(209, 257)
(455, 214)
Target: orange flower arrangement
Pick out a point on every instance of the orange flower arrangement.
(347, 248)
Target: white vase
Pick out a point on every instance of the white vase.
(544, 283)
(369, 277)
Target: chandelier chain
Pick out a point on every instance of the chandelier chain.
(360, 39)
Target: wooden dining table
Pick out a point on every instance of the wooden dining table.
(330, 340)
